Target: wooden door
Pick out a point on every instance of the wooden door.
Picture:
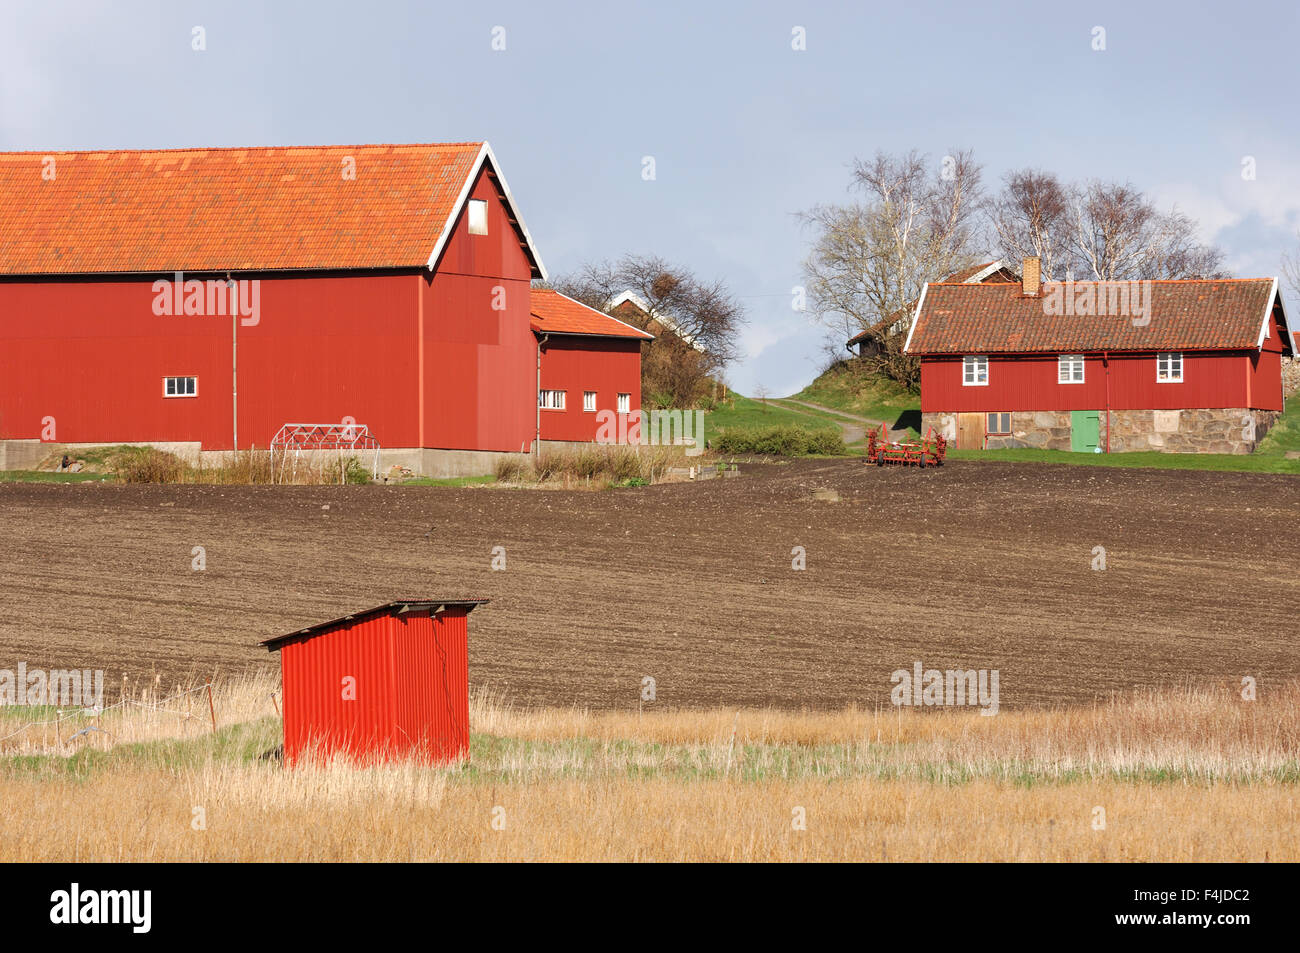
(970, 431)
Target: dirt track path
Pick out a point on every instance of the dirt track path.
(832, 410)
(972, 565)
(851, 432)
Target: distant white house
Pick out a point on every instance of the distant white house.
(631, 305)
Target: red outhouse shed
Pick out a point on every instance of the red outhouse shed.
(385, 683)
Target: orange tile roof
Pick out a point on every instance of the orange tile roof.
(964, 276)
(253, 209)
(554, 313)
(1221, 314)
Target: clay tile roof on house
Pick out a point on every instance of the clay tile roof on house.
(254, 209)
(988, 271)
(1223, 314)
(554, 313)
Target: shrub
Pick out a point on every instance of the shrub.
(785, 441)
(588, 463)
(350, 470)
(625, 464)
(146, 465)
(551, 463)
(510, 469)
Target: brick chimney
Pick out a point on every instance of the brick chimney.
(1031, 277)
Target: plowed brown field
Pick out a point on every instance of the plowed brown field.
(976, 565)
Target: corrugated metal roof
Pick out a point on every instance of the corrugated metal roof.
(394, 607)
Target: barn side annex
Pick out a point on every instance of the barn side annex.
(589, 366)
(200, 299)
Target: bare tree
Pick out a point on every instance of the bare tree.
(1103, 231)
(871, 258)
(1031, 217)
(1291, 269)
(696, 322)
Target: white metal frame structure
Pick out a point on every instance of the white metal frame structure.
(345, 439)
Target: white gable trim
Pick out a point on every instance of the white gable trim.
(1266, 330)
(664, 319)
(980, 276)
(632, 296)
(485, 153)
(907, 347)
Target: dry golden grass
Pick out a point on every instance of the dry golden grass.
(1179, 776)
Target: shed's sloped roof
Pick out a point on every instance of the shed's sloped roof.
(388, 608)
(554, 313)
(1221, 314)
(246, 209)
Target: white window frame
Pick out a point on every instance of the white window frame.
(477, 216)
(970, 370)
(999, 414)
(1169, 358)
(588, 401)
(625, 403)
(1067, 364)
(550, 399)
(179, 390)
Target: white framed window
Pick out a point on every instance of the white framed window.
(1169, 367)
(998, 424)
(180, 387)
(589, 401)
(478, 217)
(1069, 369)
(974, 370)
(550, 399)
(624, 403)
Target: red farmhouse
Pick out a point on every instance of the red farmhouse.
(203, 298)
(1188, 366)
(389, 682)
(589, 362)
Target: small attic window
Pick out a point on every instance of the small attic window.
(478, 217)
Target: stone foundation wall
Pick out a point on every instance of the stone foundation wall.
(1200, 430)
(1290, 377)
(1041, 429)
(1219, 430)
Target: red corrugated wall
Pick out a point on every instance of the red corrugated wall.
(609, 366)
(411, 685)
(480, 370)
(93, 355)
(1028, 382)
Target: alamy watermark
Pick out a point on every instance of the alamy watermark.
(656, 428)
(212, 298)
(1121, 299)
(56, 687)
(952, 688)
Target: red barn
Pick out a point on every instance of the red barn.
(390, 682)
(588, 363)
(203, 298)
(1185, 366)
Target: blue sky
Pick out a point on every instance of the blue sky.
(744, 130)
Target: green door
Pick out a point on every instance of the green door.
(1085, 430)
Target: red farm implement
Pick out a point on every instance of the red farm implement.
(928, 453)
